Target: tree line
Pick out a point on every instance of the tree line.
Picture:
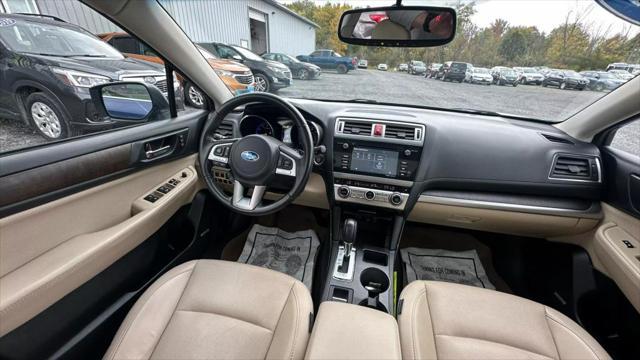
(575, 44)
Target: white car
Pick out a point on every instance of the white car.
(529, 75)
(622, 74)
(363, 64)
(382, 67)
(478, 75)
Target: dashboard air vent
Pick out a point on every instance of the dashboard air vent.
(357, 128)
(557, 139)
(571, 167)
(394, 131)
(225, 130)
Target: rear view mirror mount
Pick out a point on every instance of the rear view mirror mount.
(398, 26)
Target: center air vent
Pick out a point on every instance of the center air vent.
(573, 167)
(381, 130)
(225, 130)
(394, 131)
(357, 128)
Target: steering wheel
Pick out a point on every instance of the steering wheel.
(255, 160)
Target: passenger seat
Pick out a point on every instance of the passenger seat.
(439, 320)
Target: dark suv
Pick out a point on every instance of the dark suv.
(453, 71)
(269, 75)
(47, 67)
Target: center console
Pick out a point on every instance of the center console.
(375, 164)
(375, 161)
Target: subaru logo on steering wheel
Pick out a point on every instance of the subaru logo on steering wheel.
(249, 155)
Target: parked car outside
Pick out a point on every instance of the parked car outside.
(453, 71)
(299, 69)
(478, 75)
(403, 67)
(268, 75)
(417, 67)
(495, 72)
(529, 75)
(505, 76)
(51, 75)
(382, 67)
(602, 80)
(363, 64)
(432, 70)
(237, 77)
(622, 74)
(329, 59)
(566, 79)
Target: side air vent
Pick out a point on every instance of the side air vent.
(575, 168)
(357, 128)
(557, 139)
(394, 131)
(225, 130)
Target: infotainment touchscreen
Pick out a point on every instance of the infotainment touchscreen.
(374, 161)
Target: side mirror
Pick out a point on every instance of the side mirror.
(404, 26)
(237, 58)
(129, 101)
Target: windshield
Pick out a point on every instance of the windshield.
(207, 55)
(290, 58)
(40, 38)
(481, 71)
(247, 53)
(571, 73)
(533, 36)
(604, 75)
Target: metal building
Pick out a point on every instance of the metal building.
(261, 25)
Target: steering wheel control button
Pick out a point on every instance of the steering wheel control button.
(395, 199)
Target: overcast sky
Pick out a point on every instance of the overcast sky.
(544, 14)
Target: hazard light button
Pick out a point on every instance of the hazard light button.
(377, 129)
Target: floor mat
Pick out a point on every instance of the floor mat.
(290, 253)
(462, 267)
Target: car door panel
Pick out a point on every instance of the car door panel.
(85, 233)
(70, 210)
(617, 246)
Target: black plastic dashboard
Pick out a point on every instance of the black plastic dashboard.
(469, 152)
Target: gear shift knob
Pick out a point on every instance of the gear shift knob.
(349, 231)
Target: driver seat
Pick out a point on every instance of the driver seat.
(210, 309)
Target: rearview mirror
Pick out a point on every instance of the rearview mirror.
(405, 26)
(128, 101)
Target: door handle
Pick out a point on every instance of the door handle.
(150, 154)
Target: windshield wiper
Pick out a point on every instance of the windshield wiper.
(43, 54)
(89, 56)
(482, 112)
(365, 101)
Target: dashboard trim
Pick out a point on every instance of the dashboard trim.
(373, 179)
(593, 212)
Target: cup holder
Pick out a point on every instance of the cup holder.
(375, 281)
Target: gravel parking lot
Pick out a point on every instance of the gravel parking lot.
(524, 100)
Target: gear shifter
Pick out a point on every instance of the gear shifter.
(349, 230)
(345, 262)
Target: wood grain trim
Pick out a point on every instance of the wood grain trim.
(48, 178)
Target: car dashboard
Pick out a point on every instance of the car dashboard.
(416, 162)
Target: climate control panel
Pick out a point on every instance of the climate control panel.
(373, 194)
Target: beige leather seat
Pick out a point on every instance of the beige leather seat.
(441, 320)
(211, 309)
